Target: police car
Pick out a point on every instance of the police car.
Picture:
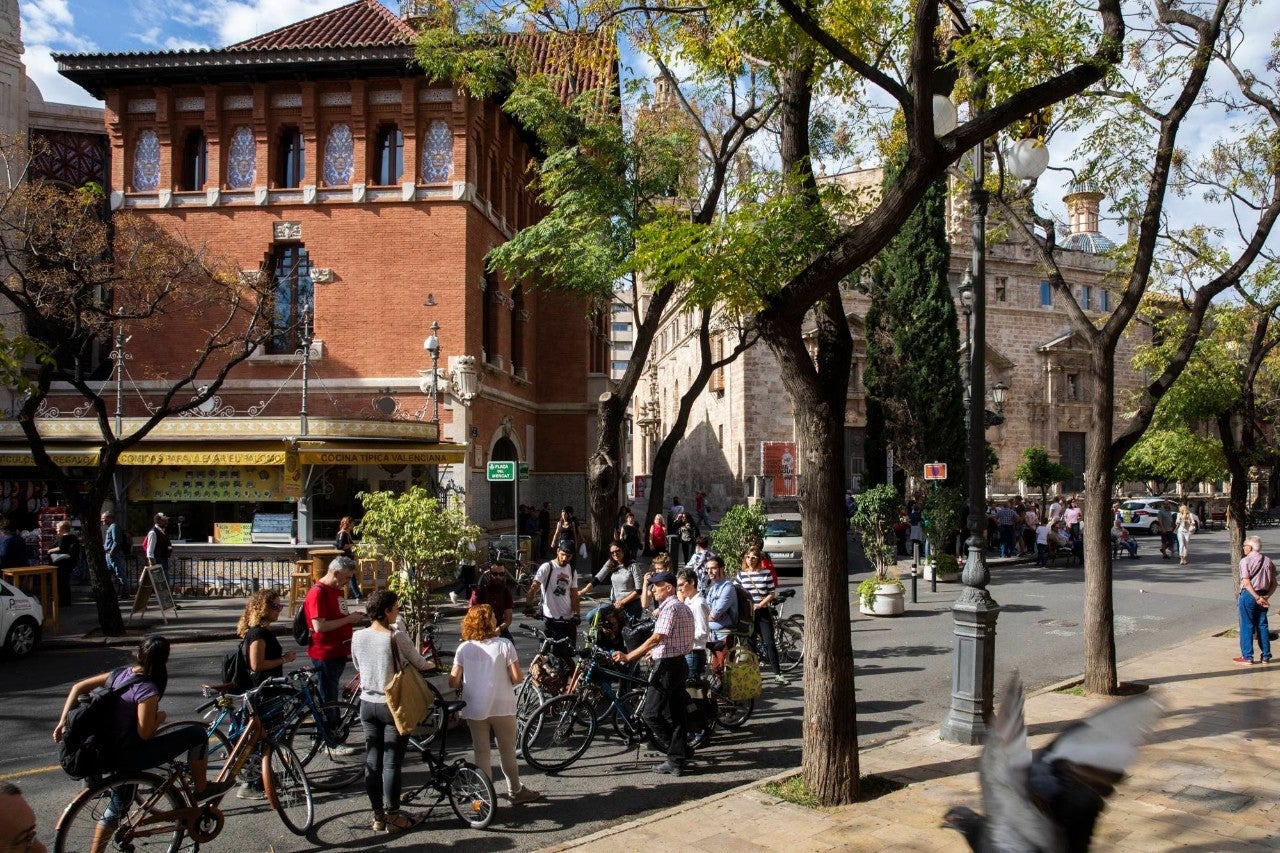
(20, 619)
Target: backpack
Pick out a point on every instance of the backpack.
(301, 626)
(746, 611)
(90, 737)
(235, 668)
(1264, 579)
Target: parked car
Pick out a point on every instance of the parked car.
(782, 540)
(1144, 514)
(21, 618)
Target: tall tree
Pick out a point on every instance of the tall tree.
(913, 344)
(76, 277)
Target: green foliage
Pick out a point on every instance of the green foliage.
(473, 62)
(1041, 472)
(942, 510)
(740, 528)
(424, 540)
(913, 368)
(1176, 454)
(867, 589)
(873, 519)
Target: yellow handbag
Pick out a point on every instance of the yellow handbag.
(408, 696)
(741, 675)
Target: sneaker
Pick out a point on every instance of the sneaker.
(379, 823)
(1242, 661)
(213, 790)
(346, 751)
(524, 795)
(781, 680)
(669, 768)
(1266, 660)
(453, 598)
(247, 791)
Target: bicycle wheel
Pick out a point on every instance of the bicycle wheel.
(471, 795)
(790, 642)
(287, 787)
(433, 724)
(529, 697)
(333, 755)
(626, 717)
(558, 732)
(128, 812)
(733, 715)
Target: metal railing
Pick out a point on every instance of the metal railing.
(220, 576)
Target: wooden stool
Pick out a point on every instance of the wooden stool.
(299, 585)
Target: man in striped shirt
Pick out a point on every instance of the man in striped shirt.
(666, 700)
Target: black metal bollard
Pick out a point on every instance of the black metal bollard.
(915, 569)
(914, 575)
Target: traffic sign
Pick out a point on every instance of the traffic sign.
(932, 471)
(501, 472)
(524, 470)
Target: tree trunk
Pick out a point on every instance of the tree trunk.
(1099, 479)
(1238, 496)
(829, 730)
(603, 473)
(89, 507)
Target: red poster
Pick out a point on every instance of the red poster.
(780, 462)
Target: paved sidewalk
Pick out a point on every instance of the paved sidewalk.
(1208, 781)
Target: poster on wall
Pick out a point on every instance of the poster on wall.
(209, 484)
(779, 461)
(641, 487)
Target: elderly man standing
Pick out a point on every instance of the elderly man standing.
(1257, 582)
(330, 626)
(665, 700)
(116, 545)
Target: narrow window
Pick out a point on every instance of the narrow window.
(489, 319)
(1002, 289)
(195, 161)
(1086, 297)
(390, 154)
(1104, 300)
(1046, 294)
(292, 158)
(291, 297)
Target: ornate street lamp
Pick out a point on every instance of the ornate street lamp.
(432, 346)
(975, 612)
(304, 349)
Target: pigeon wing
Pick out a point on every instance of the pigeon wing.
(1014, 823)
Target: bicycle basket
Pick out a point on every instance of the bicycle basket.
(551, 673)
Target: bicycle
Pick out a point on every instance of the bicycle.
(125, 811)
(788, 633)
(326, 735)
(730, 713)
(562, 729)
(435, 720)
(470, 793)
(551, 669)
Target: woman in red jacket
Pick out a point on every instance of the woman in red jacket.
(658, 535)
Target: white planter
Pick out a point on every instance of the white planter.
(890, 600)
(944, 577)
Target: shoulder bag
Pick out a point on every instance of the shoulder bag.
(408, 696)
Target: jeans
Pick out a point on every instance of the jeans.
(1042, 552)
(120, 571)
(384, 749)
(146, 754)
(1253, 619)
(696, 661)
(329, 680)
(762, 635)
(1006, 541)
(665, 706)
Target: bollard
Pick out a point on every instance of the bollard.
(914, 575)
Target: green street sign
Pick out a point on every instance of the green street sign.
(501, 472)
(524, 470)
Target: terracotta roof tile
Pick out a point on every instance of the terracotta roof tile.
(577, 62)
(364, 23)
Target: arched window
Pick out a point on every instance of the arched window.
(292, 293)
(489, 319)
(146, 163)
(501, 495)
(390, 154)
(195, 161)
(291, 158)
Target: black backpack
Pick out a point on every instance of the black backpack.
(235, 668)
(92, 733)
(302, 627)
(746, 610)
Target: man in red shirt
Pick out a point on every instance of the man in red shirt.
(330, 626)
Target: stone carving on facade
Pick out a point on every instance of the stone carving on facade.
(237, 102)
(242, 159)
(286, 101)
(321, 275)
(142, 105)
(189, 105)
(212, 196)
(359, 192)
(385, 96)
(286, 231)
(335, 99)
(435, 95)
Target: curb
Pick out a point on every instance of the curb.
(791, 771)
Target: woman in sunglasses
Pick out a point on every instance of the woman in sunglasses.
(261, 648)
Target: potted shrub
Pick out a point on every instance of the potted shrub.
(943, 508)
(877, 510)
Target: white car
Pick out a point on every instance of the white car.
(1144, 514)
(20, 620)
(782, 540)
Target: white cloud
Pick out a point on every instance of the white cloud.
(236, 20)
(48, 27)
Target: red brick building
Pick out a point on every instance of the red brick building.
(319, 156)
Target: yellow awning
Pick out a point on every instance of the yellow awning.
(201, 454)
(381, 453)
(15, 457)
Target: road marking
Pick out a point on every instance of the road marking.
(21, 773)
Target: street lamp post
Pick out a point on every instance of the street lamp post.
(304, 338)
(975, 612)
(432, 346)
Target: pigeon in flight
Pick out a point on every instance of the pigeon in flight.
(1049, 802)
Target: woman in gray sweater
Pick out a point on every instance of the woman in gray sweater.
(384, 746)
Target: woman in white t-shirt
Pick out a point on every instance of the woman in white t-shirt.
(485, 667)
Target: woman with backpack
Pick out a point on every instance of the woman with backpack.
(137, 717)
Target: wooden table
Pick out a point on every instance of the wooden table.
(46, 578)
(300, 584)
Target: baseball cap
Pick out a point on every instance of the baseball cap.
(663, 577)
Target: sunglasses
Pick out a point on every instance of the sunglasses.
(277, 606)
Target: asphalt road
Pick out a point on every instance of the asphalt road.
(903, 683)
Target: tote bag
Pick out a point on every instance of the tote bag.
(408, 696)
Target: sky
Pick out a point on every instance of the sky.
(72, 26)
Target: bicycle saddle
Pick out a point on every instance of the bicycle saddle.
(454, 707)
